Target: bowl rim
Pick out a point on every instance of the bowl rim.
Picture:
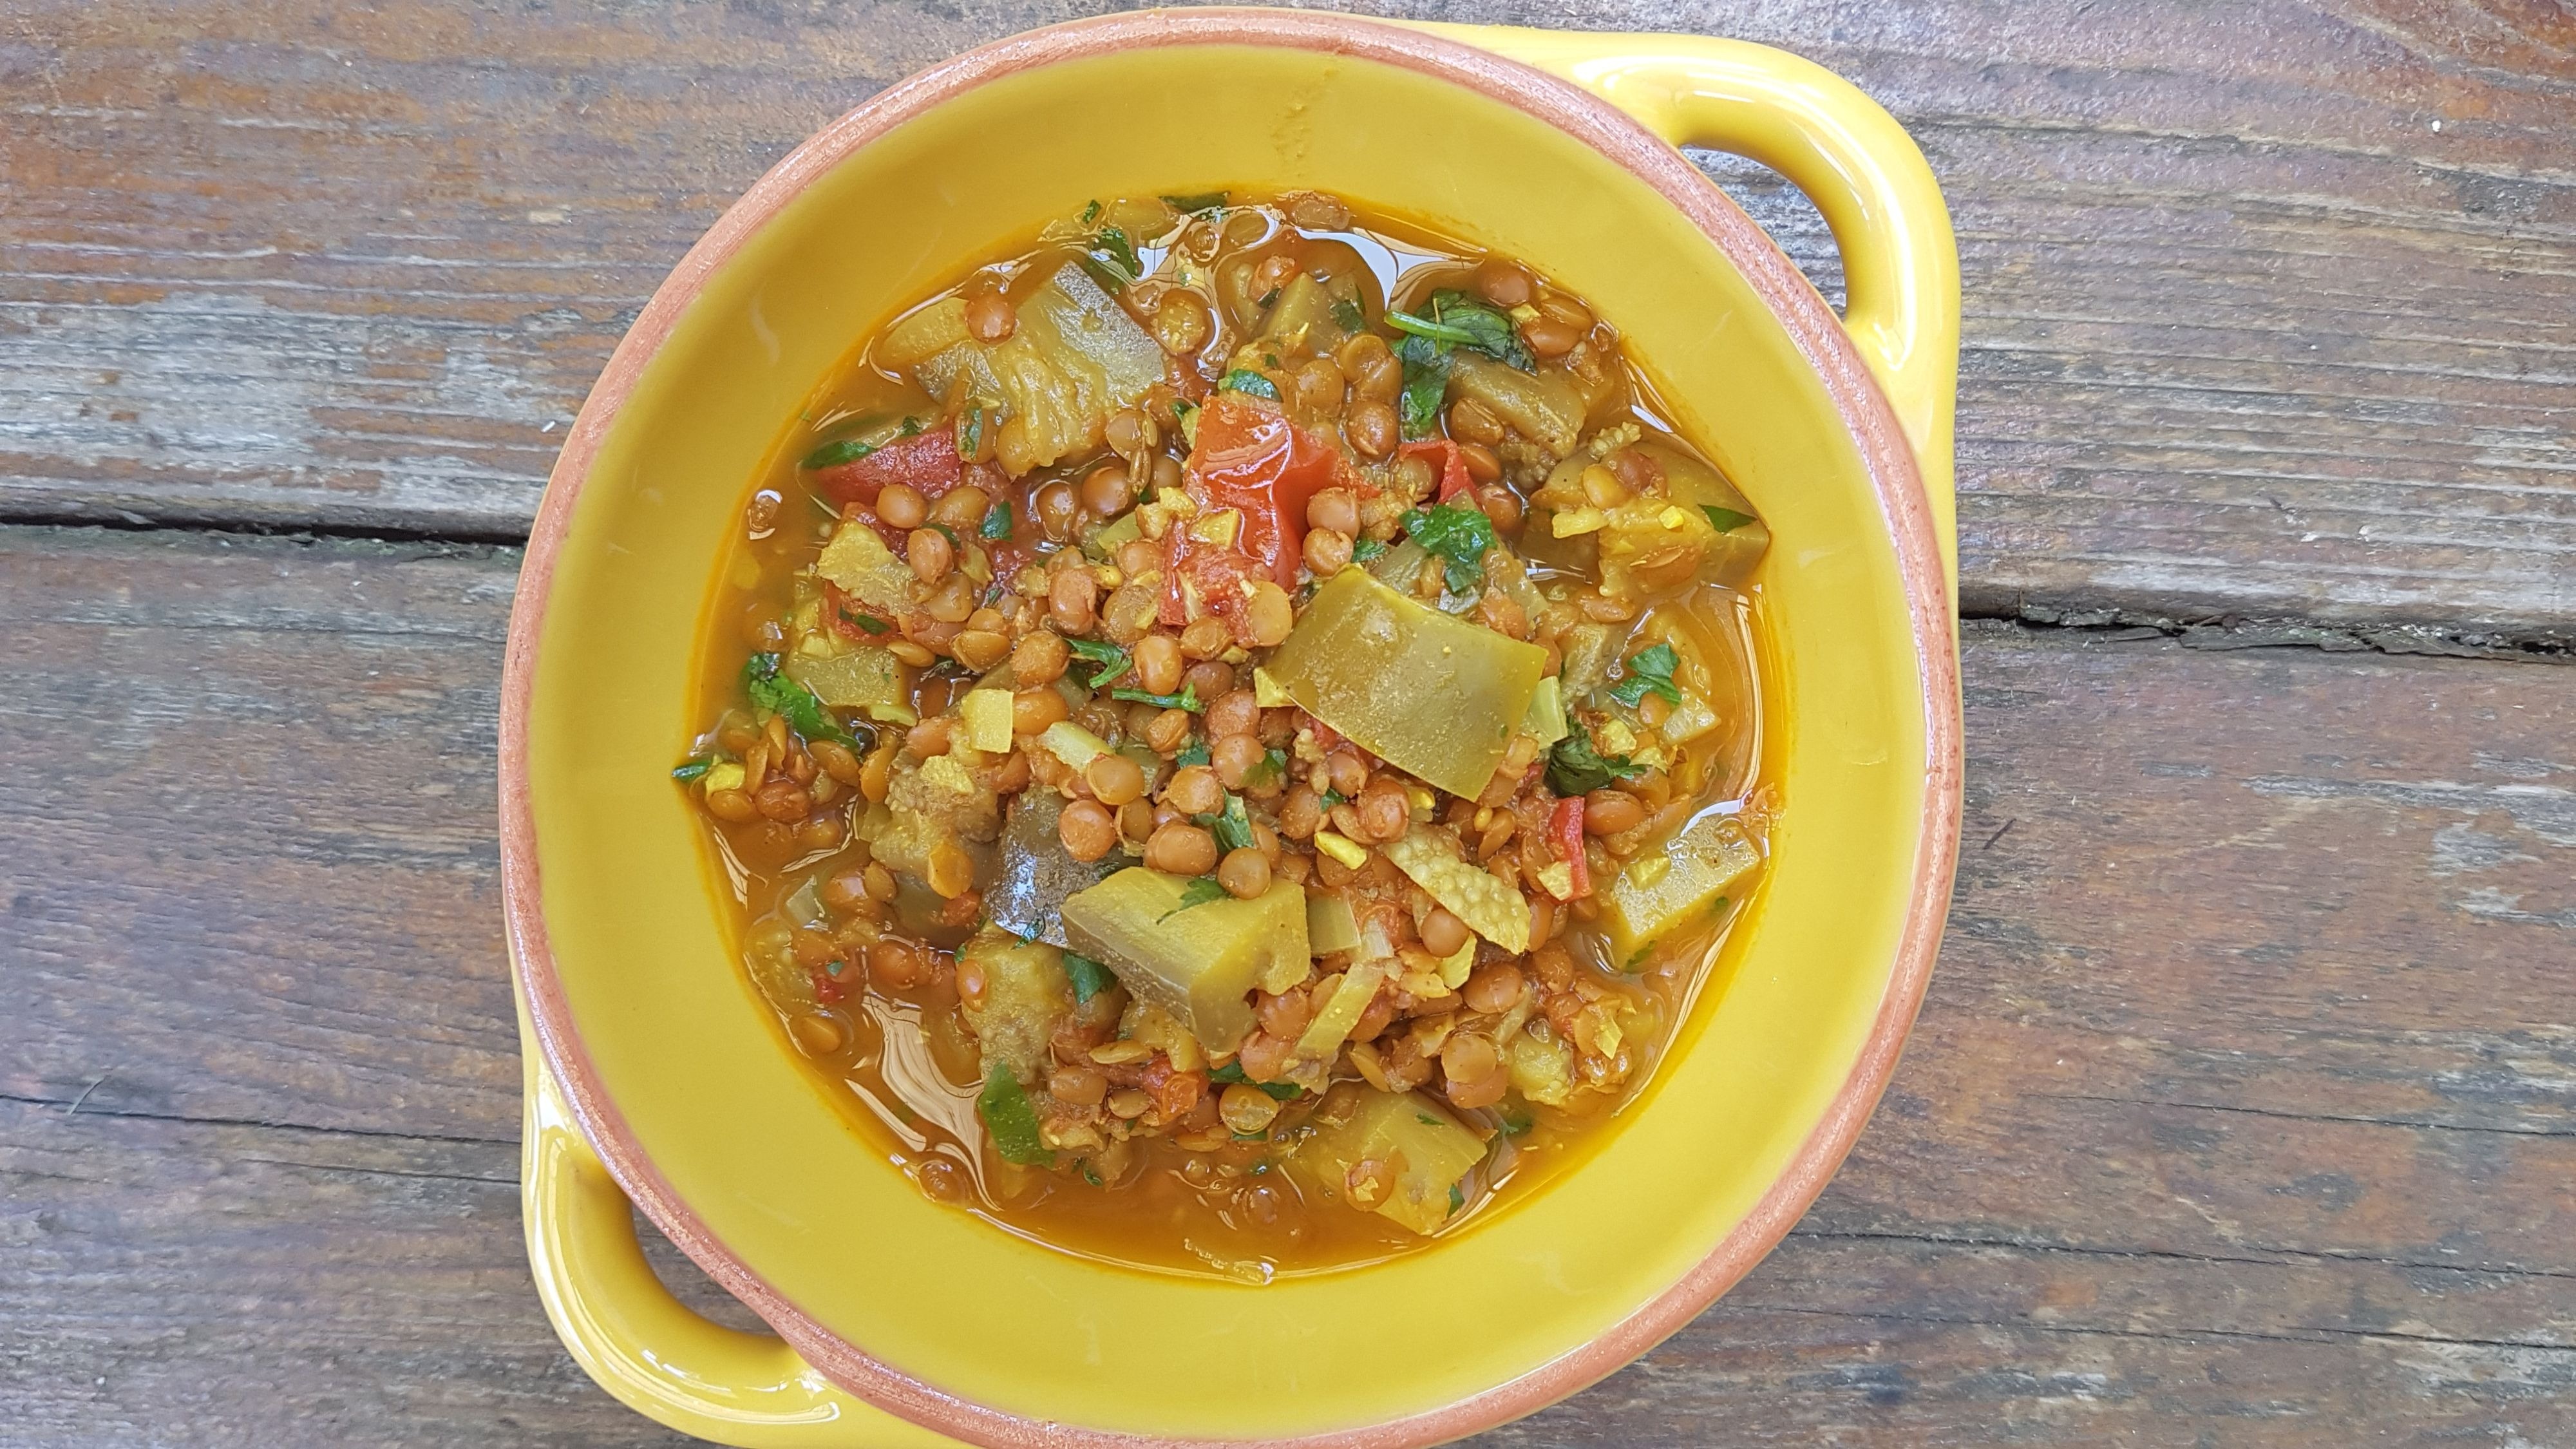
(1887, 458)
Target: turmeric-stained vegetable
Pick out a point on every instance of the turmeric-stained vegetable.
(1035, 875)
(1740, 535)
(1542, 1066)
(1332, 1025)
(1543, 405)
(1400, 1155)
(1304, 312)
(1197, 960)
(1025, 993)
(986, 714)
(1490, 908)
(1330, 926)
(1073, 358)
(861, 676)
(1427, 693)
(858, 563)
(1708, 857)
(1545, 722)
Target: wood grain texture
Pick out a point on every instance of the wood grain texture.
(2269, 306)
(2243, 1106)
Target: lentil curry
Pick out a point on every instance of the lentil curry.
(1234, 733)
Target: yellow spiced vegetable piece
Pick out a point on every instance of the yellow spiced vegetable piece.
(1186, 946)
(1709, 857)
(1402, 1149)
(1436, 696)
(1490, 908)
(859, 564)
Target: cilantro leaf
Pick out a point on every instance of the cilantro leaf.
(1009, 1118)
(1194, 753)
(840, 450)
(1457, 534)
(1457, 1198)
(1725, 520)
(1199, 892)
(1196, 201)
(1576, 767)
(1650, 671)
(1426, 380)
(970, 431)
(1232, 828)
(1348, 316)
(1272, 769)
(1492, 332)
(1090, 213)
(693, 769)
(1187, 699)
(997, 522)
(780, 695)
(1089, 977)
(872, 625)
(1113, 253)
(1231, 1074)
(1366, 549)
(1245, 380)
(1113, 661)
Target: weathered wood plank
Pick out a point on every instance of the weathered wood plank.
(2269, 305)
(2242, 1096)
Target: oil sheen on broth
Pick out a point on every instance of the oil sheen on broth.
(1233, 734)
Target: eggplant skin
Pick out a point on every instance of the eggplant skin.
(1033, 874)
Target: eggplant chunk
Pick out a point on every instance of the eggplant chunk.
(1197, 961)
(1035, 876)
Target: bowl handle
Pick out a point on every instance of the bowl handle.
(1851, 158)
(643, 1345)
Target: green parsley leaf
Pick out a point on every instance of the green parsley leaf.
(1187, 699)
(1008, 1116)
(970, 431)
(953, 540)
(1245, 380)
(693, 769)
(1403, 321)
(1088, 1175)
(1725, 520)
(1198, 893)
(1231, 1074)
(1426, 381)
(1348, 316)
(1196, 201)
(1185, 416)
(912, 427)
(1113, 661)
(1113, 253)
(1333, 798)
(1233, 828)
(1090, 214)
(1426, 1119)
(1366, 549)
(872, 625)
(1650, 671)
(1457, 1198)
(1576, 767)
(1089, 977)
(997, 522)
(780, 695)
(1458, 534)
(1516, 1122)
(1194, 753)
(840, 450)
(1273, 768)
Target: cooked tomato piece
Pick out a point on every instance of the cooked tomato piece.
(1265, 468)
(926, 461)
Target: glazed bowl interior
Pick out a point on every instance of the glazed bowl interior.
(696, 1067)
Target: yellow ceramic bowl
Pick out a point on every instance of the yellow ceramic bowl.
(901, 1322)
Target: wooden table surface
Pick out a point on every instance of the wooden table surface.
(2243, 1108)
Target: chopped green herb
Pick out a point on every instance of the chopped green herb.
(1457, 1198)
(970, 431)
(1089, 977)
(872, 625)
(1426, 380)
(1194, 753)
(693, 769)
(1245, 380)
(1516, 1122)
(1231, 1074)
(912, 427)
(1008, 1116)
(1488, 330)
(1185, 416)
(1426, 1119)
(1457, 534)
(1725, 520)
(840, 450)
(1333, 798)
(1637, 957)
(1347, 314)
(1112, 253)
(1403, 321)
(953, 540)
(780, 695)
(997, 522)
(1650, 671)
(1272, 769)
(1233, 828)
(1252, 1136)
(1090, 214)
(1575, 767)
(1113, 661)
(1197, 893)
(1366, 549)
(1187, 699)
(1196, 201)
(1088, 1175)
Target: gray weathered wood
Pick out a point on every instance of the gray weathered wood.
(2241, 1102)
(2269, 305)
